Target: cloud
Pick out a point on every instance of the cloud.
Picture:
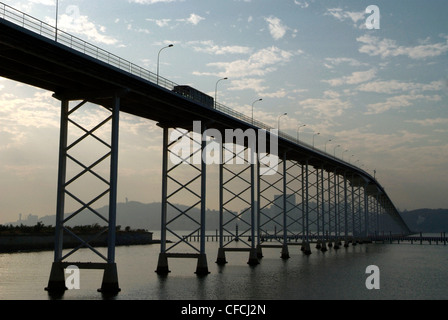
(256, 85)
(140, 30)
(354, 78)
(343, 60)
(276, 27)
(193, 19)
(258, 64)
(393, 86)
(281, 93)
(73, 22)
(210, 47)
(430, 122)
(43, 2)
(150, 1)
(160, 22)
(247, 83)
(326, 108)
(302, 5)
(397, 102)
(342, 15)
(374, 46)
(386, 145)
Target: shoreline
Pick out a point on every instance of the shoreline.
(17, 243)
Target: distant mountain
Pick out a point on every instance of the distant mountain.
(138, 215)
(427, 220)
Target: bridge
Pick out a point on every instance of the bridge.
(284, 188)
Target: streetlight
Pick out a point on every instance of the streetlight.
(316, 134)
(216, 88)
(57, 9)
(335, 149)
(278, 121)
(253, 109)
(326, 145)
(298, 131)
(343, 154)
(158, 60)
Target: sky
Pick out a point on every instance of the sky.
(378, 89)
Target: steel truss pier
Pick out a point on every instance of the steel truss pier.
(237, 190)
(183, 177)
(68, 189)
(272, 211)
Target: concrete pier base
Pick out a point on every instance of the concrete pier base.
(56, 283)
(259, 252)
(336, 245)
(285, 252)
(109, 285)
(253, 257)
(307, 249)
(323, 247)
(303, 246)
(318, 244)
(202, 266)
(162, 264)
(221, 259)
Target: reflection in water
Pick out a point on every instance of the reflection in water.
(407, 272)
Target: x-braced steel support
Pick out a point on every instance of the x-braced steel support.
(294, 208)
(56, 284)
(183, 177)
(236, 191)
(272, 215)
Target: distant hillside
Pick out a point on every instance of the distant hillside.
(147, 216)
(427, 220)
(135, 215)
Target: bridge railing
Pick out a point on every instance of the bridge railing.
(44, 29)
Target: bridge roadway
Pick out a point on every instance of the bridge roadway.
(75, 70)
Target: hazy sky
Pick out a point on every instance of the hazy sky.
(382, 94)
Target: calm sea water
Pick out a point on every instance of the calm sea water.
(406, 272)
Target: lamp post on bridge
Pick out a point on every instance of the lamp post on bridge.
(316, 134)
(216, 88)
(334, 151)
(253, 109)
(278, 121)
(298, 129)
(350, 160)
(57, 13)
(326, 144)
(158, 60)
(343, 154)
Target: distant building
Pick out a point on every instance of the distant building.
(31, 220)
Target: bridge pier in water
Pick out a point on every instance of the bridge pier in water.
(67, 190)
(173, 189)
(237, 190)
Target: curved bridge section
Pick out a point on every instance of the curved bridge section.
(298, 192)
